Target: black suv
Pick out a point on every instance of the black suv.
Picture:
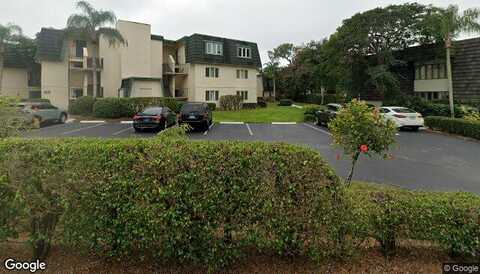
(197, 115)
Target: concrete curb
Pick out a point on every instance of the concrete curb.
(284, 123)
(126, 122)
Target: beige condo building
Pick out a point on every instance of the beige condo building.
(198, 68)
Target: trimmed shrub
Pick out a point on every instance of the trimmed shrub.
(309, 114)
(212, 106)
(82, 106)
(285, 102)
(249, 105)
(128, 107)
(230, 102)
(262, 102)
(462, 127)
(426, 108)
(112, 108)
(170, 197)
(35, 100)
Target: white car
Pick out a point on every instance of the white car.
(403, 117)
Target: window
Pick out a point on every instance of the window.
(215, 48)
(430, 71)
(244, 52)
(242, 74)
(211, 72)
(211, 95)
(434, 95)
(79, 45)
(243, 94)
(77, 93)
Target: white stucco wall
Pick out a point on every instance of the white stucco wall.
(136, 55)
(111, 75)
(156, 58)
(55, 82)
(14, 83)
(431, 85)
(227, 82)
(144, 88)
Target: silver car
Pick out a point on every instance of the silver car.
(41, 113)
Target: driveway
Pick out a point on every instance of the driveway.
(421, 160)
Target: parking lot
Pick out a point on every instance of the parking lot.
(421, 160)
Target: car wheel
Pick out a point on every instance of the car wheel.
(137, 129)
(164, 125)
(317, 122)
(63, 118)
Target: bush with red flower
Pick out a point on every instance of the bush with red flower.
(360, 129)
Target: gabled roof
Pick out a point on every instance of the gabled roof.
(50, 44)
(196, 53)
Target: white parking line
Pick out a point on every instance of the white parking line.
(249, 129)
(122, 131)
(126, 122)
(317, 129)
(210, 128)
(232, 123)
(92, 122)
(80, 129)
(284, 123)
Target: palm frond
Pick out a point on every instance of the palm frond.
(78, 21)
(85, 7)
(470, 20)
(113, 36)
(101, 18)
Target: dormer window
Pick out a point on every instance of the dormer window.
(244, 52)
(214, 48)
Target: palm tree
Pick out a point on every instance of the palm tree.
(448, 24)
(92, 24)
(9, 33)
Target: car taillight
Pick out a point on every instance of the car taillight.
(399, 116)
(157, 118)
(136, 117)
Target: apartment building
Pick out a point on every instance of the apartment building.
(198, 68)
(425, 72)
(20, 77)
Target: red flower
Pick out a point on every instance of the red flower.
(364, 148)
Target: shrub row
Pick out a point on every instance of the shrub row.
(230, 102)
(456, 126)
(166, 198)
(309, 114)
(119, 107)
(425, 107)
(450, 220)
(285, 102)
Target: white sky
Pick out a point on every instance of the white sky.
(267, 22)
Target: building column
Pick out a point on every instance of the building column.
(85, 84)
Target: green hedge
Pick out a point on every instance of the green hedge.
(426, 108)
(285, 102)
(128, 107)
(212, 106)
(170, 198)
(82, 106)
(455, 126)
(450, 220)
(309, 114)
(230, 102)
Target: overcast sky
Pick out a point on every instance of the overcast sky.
(267, 22)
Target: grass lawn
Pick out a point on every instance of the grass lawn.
(272, 113)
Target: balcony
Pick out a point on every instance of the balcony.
(86, 63)
(177, 69)
(181, 92)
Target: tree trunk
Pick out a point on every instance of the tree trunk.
(274, 87)
(354, 161)
(450, 81)
(1, 67)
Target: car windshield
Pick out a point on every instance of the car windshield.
(403, 110)
(192, 107)
(151, 111)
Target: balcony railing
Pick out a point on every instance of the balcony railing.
(87, 63)
(175, 69)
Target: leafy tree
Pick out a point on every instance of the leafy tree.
(284, 51)
(446, 25)
(92, 24)
(375, 34)
(358, 129)
(9, 34)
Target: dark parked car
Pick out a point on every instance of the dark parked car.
(197, 115)
(154, 118)
(323, 117)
